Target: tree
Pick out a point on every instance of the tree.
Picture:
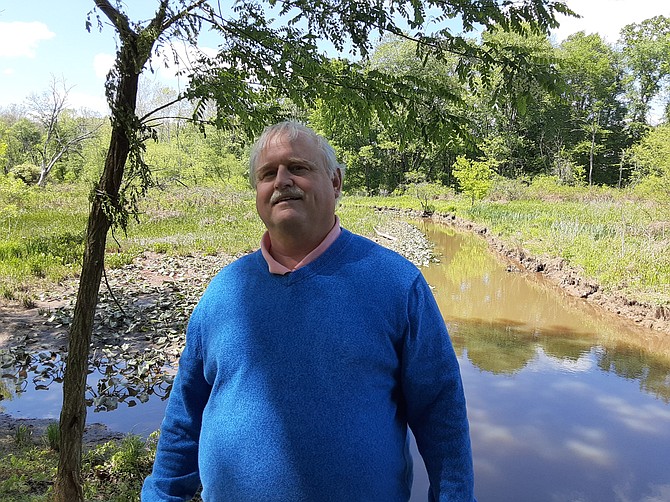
(474, 177)
(62, 133)
(646, 52)
(651, 161)
(508, 104)
(592, 73)
(20, 140)
(263, 70)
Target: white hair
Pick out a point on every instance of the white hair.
(291, 129)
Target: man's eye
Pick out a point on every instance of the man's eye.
(265, 175)
(298, 168)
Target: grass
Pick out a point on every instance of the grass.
(113, 471)
(613, 236)
(623, 244)
(27, 474)
(22, 435)
(41, 235)
(51, 438)
(41, 242)
(621, 241)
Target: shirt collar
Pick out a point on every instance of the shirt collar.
(277, 268)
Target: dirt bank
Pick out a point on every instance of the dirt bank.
(570, 279)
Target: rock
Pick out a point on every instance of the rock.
(407, 240)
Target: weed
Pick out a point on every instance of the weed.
(116, 471)
(23, 436)
(27, 474)
(28, 301)
(118, 260)
(7, 292)
(51, 438)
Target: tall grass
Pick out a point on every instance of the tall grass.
(619, 240)
(616, 237)
(41, 233)
(41, 241)
(623, 244)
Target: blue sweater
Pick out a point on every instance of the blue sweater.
(300, 387)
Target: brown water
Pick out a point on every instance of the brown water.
(566, 403)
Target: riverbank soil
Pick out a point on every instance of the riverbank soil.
(570, 280)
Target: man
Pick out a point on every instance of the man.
(306, 361)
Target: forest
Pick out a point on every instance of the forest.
(584, 112)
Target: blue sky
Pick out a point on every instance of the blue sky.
(44, 38)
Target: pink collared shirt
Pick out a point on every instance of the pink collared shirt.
(277, 268)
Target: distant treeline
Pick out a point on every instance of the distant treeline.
(600, 116)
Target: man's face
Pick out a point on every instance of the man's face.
(295, 195)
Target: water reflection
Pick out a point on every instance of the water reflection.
(502, 317)
(31, 387)
(566, 403)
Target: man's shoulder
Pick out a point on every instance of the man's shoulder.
(241, 265)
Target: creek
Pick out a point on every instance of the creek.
(566, 402)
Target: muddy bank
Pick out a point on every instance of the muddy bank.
(94, 434)
(569, 278)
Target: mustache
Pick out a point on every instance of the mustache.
(293, 192)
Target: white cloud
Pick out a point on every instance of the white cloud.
(8, 71)
(607, 17)
(18, 39)
(95, 103)
(102, 63)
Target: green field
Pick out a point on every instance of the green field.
(621, 241)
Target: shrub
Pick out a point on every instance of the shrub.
(23, 435)
(27, 172)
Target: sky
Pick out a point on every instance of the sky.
(43, 40)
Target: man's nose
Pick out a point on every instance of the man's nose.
(284, 177)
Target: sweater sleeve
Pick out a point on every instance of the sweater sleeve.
(433, 393)
(175, 475)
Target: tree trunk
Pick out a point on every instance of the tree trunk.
(68, 486)
(591, 153)
(73, 414)
(42, 182)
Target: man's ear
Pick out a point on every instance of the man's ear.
(337, 182)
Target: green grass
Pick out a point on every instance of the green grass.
(113, 471)
(621, 241)
(622, 244)
(26, 475)
(613, 236)
(41, 234)
(199, 219)
(41, 242)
